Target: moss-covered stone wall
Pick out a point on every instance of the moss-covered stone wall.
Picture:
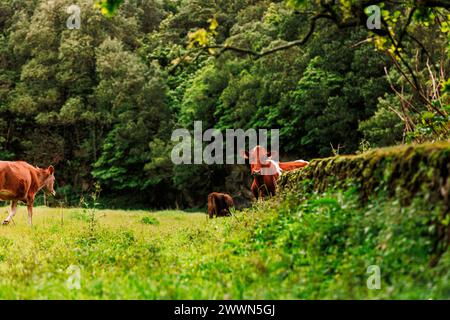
(402, 172)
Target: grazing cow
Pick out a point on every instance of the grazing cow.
(265, 170)
(219, 204)
(20, 181)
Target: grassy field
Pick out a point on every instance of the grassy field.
(125, 255)
(314, 248)
(118, 253)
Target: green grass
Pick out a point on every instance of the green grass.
(119, 256)
(149, 220)
(292, 248)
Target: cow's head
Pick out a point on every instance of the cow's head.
(261, 162)
(49, 181)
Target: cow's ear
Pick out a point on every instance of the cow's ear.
(244, 154)
(51, 170)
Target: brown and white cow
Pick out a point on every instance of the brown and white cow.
(20, 181)
(219, 204)
(266, 171)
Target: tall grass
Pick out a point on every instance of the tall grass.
(313, 247)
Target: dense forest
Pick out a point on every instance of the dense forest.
(100, 102)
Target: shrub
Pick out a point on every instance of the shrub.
(149, 220)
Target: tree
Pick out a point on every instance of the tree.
(135, 94)
(101, 102)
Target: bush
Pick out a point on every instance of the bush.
(149, 220)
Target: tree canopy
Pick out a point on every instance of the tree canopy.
(101, 102)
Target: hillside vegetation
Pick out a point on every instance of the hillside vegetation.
(100, 102)
(313, 241)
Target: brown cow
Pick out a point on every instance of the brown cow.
(219, 204)
(265, 170)
(20, 181)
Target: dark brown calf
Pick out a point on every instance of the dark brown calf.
(219, 204)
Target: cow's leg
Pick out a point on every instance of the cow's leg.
(216, 204)
(210, 206)
(12, 212)
(254, 189)
(30, 203)
(30, 214)
(262, 192)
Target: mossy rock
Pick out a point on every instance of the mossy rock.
(403, 171)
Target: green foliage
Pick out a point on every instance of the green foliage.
(100, 102)
(89, 213)
(149, 220)
(307, 243)
(433, 125)
(109, 7)
(329, 240)
(384, 128)
(403, 171)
